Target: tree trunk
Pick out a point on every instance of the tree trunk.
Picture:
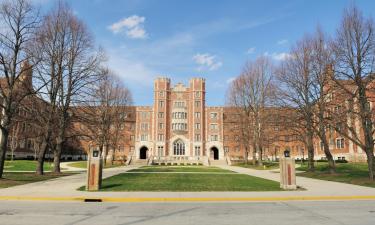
(3, 149)
(310, 150)
(254, 161)
(56, 157)
(331, 161)
(41, 157)
(327, 152)
(371, 164)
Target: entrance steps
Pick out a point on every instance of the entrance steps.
(218, 162)
(139, 162)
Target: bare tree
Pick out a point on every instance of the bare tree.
(18, 21)
(68, 67)
(250, 93)
(354, 57)
(105, 113)
(297, 90)
(321, 69)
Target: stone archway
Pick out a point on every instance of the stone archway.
(214, 153)
(143, 152)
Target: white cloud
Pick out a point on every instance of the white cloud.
(230, 80)
(132, 26)
(282, 42)
(250, 50)
(207, 61)
(278, 56)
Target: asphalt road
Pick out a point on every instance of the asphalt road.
(252, 213)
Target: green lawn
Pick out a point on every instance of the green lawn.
(351, 173)
(18, 178)
(214, 181)
(266, 165)
(83, 165)
(181, 169)
(25, 165)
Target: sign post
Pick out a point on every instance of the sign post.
(94, 171)
(287, 172)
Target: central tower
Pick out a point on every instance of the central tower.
(179, 118)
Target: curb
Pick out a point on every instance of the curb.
(187, 199)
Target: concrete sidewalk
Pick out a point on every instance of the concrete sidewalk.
(65, 188)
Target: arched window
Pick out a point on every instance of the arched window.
(179, 147)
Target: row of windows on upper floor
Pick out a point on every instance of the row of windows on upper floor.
(183, 115)
(197, 94)
(178, 104)
(197, 137)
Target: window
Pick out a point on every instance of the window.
(197, 115)
(161, 94)
(160, 150)
(236, 138)
(160, 137)
(161, 104)
(197, 150)
(179, 148)
(132, 126)
(122, 126)
(160, 115)
(144, 115)
(197, 94)
(161, 126)
(197, 104)
(144, 126)
(123, 116)
(179, 115)
(339, 127)
(144, 137)
(197, 126)
(179, 104)
(226, 149)
(197, 137)
(213, 126)
(340, 143)
(179, 126)
(213, 115)
(132, 137)
(214, 137)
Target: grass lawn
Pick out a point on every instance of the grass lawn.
(215, 181)
(18, 178)
(25, 165)
(351, 173)
(266, 165)
(83, 165)
(181, 169)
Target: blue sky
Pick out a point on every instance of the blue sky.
(180, 39)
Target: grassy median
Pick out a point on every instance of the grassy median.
(195, 179)
(18, 178)
(25, 165)
(351, 173)
(265, 166)
(83, 165)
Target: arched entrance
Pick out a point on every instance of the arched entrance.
(215, 153)
(143, 152)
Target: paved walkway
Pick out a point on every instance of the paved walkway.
(66, 187)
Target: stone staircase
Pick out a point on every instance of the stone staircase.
(218, 162)
(139, 162)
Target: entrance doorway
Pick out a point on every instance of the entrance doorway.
(215, 153)
(143, 152)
